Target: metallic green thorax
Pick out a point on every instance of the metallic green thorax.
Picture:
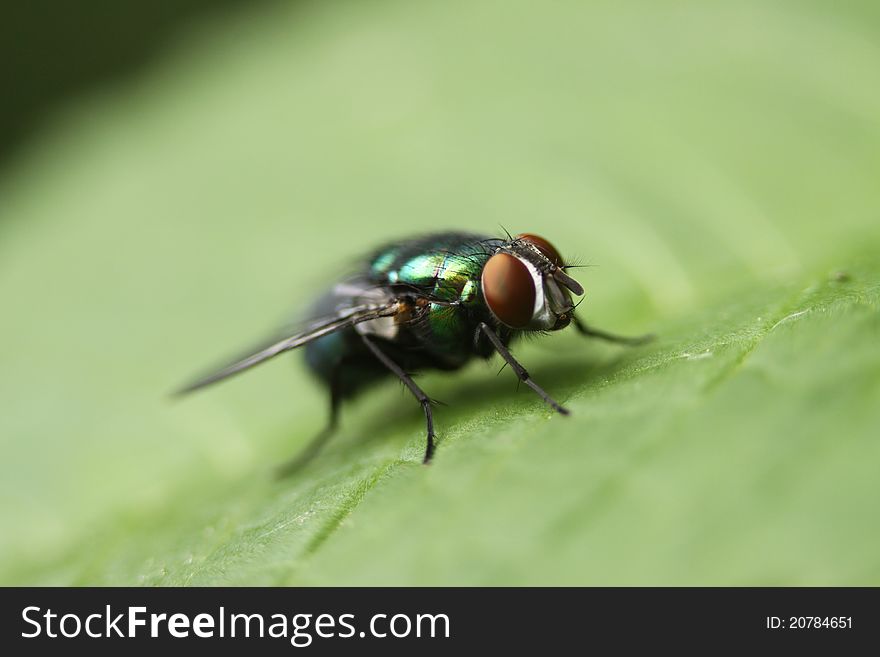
(446, 268)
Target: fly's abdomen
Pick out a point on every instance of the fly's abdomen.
(341, 355)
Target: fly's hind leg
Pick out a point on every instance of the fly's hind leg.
(417, 392)
(311, 450)
(583, 329)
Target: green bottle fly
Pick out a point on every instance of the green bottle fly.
(433, 302)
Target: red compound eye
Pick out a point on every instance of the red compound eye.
(543, 246)
(509, 290)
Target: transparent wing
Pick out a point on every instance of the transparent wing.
(318, 328)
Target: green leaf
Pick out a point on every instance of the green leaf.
(719, 164)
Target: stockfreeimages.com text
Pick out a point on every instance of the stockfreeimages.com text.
(299, 629)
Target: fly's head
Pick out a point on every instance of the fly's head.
(526, 287)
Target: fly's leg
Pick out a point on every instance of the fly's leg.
(519, 369)
(417, 392)
(583, 329)
(311, 450)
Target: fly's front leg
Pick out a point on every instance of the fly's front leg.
(583, 329)
(519, 369)
(417, 392)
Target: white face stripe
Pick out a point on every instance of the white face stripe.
(542, 317)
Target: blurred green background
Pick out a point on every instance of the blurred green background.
(177, 185)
